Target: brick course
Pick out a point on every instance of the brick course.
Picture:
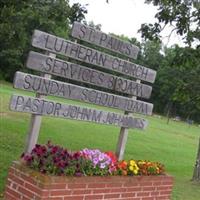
(26, 184)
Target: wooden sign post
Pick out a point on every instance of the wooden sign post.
(35, 121)
(117, 87)
(123, 136)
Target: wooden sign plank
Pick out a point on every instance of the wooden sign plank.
(61, 46)
(73, 71)
(46, 86)
(51, 108)
(93, 36)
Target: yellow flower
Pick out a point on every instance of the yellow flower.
(131, 168)
(141, 162)
(136, 169)
(132, 162)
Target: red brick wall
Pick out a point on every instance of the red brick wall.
(25, 184)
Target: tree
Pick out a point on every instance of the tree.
(177, 80)
(196, 173)
(19, 19)
(93, 25)
(152, 56)
(77, 13)
(182, 15)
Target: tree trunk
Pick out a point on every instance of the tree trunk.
(169, 107)
(196, 173)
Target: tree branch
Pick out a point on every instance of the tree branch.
(169, 36)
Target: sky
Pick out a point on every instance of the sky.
(123, 17)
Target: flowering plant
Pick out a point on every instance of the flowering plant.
(55, 160)
(134, 167)
(100, 163)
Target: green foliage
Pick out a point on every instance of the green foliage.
(178, 80)
(177, 84)
(183, 15)
(151, 52)
(77, 13)
(93, 25)
(18, 19)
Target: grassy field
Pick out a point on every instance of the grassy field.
(174, 144)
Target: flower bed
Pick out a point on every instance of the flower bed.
(55, 160)
(58, 174)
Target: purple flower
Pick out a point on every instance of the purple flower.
(54, 159)
(102, 165)
(54, 149)
(95, 161)
(101, 157)
(28, 158)
(61, 164)
(76, 155)
(97, 157)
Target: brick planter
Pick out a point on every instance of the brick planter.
(26, 184)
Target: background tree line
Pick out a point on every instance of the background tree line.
(178, 74)
(19, 18)
(177, 87)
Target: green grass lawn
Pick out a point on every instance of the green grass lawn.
(174, 144)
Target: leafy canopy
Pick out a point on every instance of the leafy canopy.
(182, 15)
(19, 18)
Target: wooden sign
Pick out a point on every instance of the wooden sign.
(73, 71)
(129, 84)
(46, 86)
(93, 36)
(85, 54)
(51, 108)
